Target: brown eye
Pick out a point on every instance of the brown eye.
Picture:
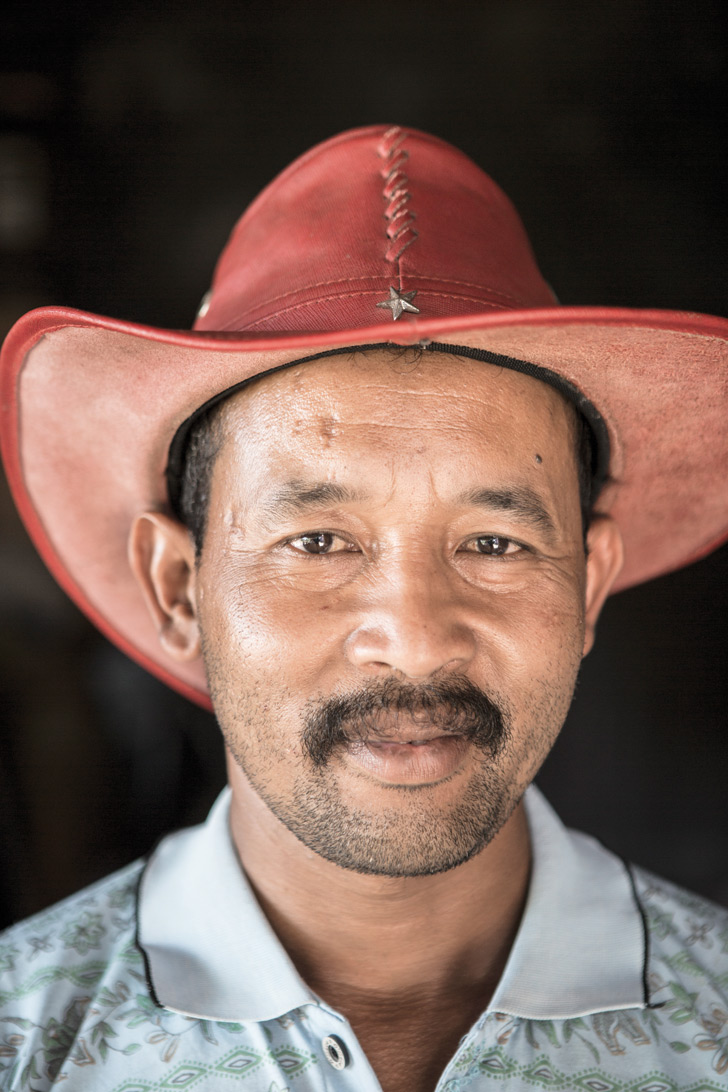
(494, 545)
(320, 543)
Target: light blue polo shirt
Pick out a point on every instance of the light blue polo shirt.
(168, 976)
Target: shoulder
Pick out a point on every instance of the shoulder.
(84, 926)
(53, 964)
(685, 931)
(687, 961)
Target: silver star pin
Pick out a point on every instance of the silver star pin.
(399, 302)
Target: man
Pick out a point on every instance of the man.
(372, 507)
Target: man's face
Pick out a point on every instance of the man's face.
(391, 600)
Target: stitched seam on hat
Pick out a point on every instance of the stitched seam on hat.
(350, 295)
(469, 284)
(395, 192)
(355, 280)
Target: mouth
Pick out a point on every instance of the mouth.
(401, 742)
(399, 761)
(389, 719)
(396, 741)
(414, 728)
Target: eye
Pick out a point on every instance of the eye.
(319, 542)
(492, 546)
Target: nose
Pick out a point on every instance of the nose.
(414, 623)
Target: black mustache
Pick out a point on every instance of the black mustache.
(454, 706)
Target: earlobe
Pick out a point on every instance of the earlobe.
(603, 565)
(162, 558)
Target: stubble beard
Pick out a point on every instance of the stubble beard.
(416, 836)
(403, 840)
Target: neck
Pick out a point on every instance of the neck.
(357, 936)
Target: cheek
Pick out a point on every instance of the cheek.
(248, 614)
(558, 628)
(536, 631)
(532, 666)
(249, 664)
(267, 649)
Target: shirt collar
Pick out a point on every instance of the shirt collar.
(581, 944)
(209, 949)
(211, 953)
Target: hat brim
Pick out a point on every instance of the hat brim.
(90, 406)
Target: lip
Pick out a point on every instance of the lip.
(397, 762)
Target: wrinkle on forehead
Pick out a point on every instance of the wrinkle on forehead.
(330, 420)
(311, 396)
(338, 402)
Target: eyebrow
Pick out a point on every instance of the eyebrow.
(517, 501)
(300, 496)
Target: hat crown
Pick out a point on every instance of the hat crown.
(373, 216)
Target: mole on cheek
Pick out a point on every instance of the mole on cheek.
(537, 459)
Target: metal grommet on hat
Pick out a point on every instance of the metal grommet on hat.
(204, 304)
(335, 1051)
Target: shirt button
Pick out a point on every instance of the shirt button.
(336, 1053)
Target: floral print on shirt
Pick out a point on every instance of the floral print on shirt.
(76, 1013)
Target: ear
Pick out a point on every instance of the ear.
(162, 557)
(603, 564)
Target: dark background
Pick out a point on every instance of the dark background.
(131, 140)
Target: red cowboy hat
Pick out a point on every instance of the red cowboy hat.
(380, 235)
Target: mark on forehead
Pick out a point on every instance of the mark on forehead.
(327, 428)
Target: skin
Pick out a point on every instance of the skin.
(403, 594)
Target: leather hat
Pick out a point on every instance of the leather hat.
(377, 236)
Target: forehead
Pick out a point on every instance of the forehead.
(396, 429)
(387, 391)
